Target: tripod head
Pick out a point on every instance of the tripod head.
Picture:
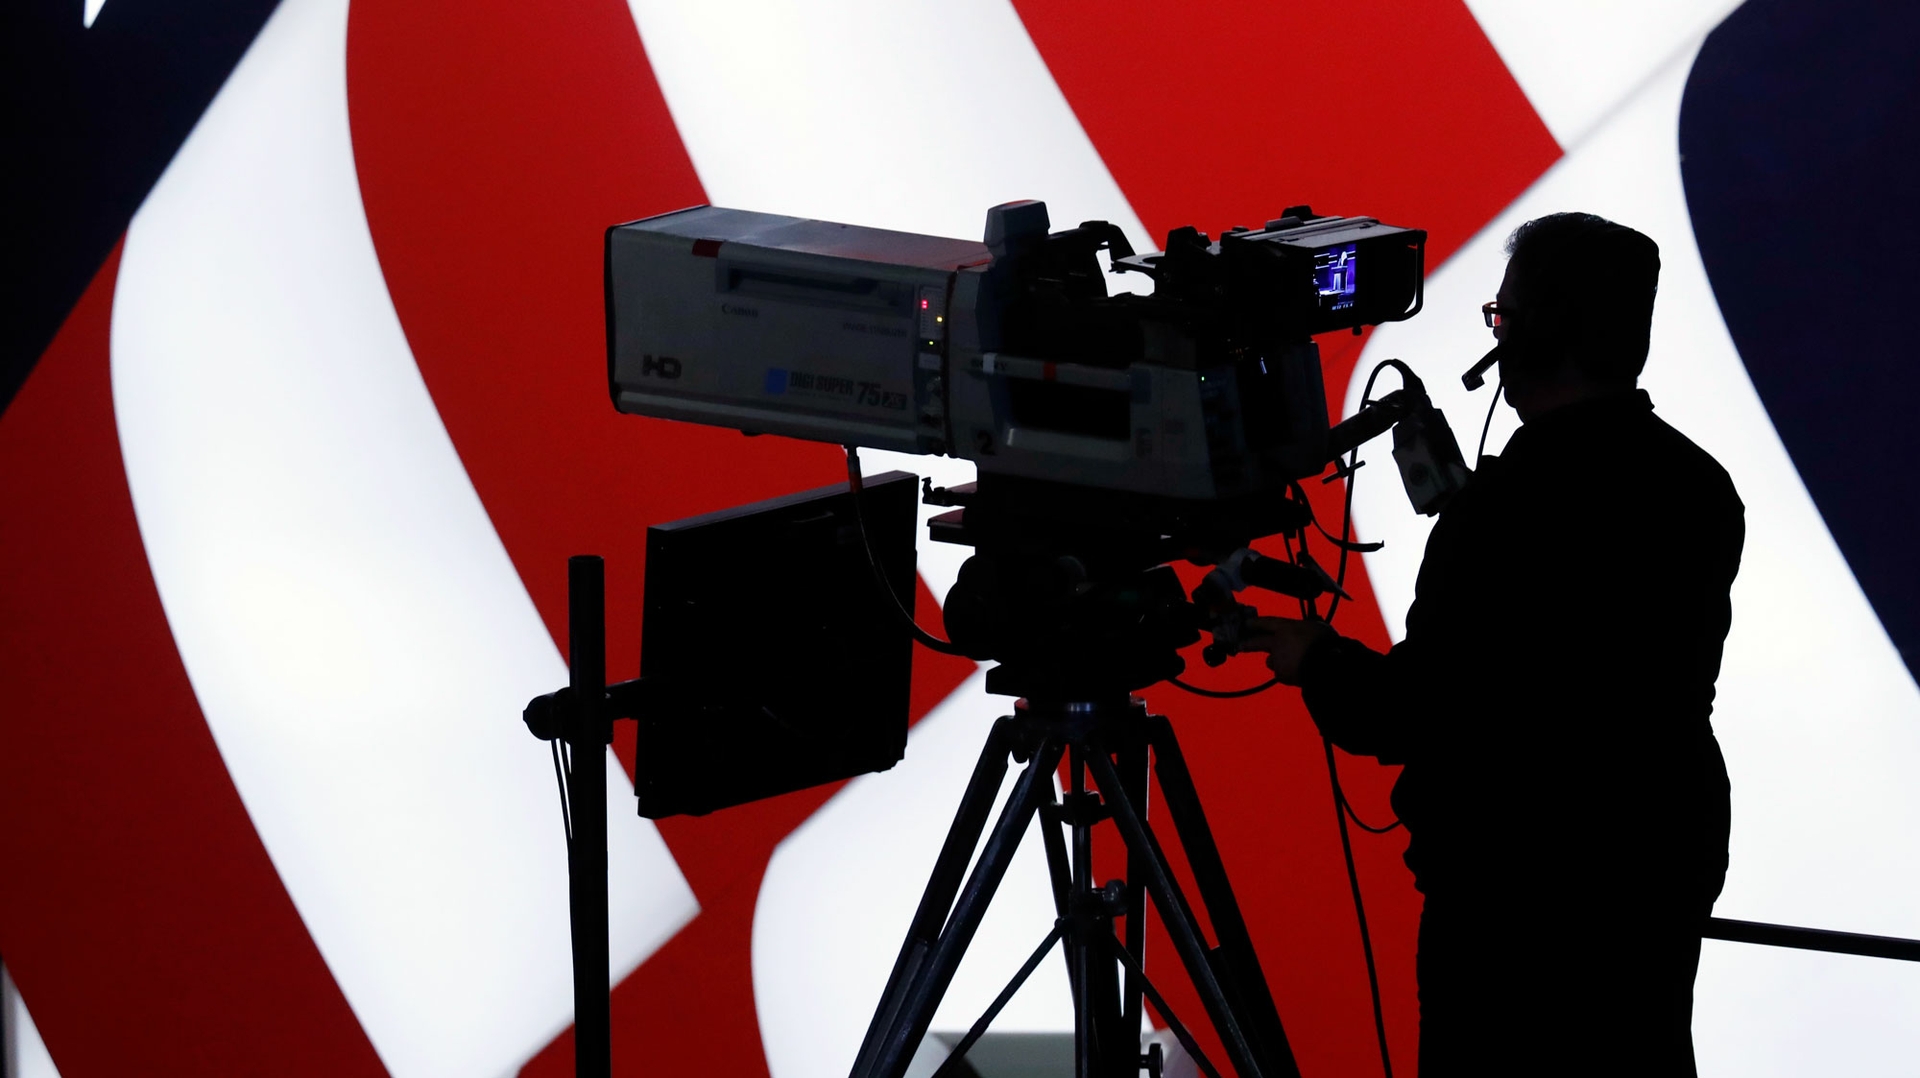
(1072, 590)
(1063, 630)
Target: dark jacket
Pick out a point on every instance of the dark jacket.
(1550, 702)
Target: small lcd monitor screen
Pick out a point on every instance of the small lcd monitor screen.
(1333, 276)
(774, 662)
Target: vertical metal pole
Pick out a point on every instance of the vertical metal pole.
(587, 795)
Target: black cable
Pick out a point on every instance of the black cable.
(1346, 525)
(1340, 794)
(1360, 911)
(1293, 558)
(1342, 809)
(1300, 496)
(858, 490)
(1488, 425)
(1408, 379)
(560, 776)
(1224, 694)
(1345, 543)
(1364, 825)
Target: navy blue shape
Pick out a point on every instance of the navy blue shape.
(1800, 152)
(89, 119)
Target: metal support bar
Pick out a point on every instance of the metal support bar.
(1812, 939)
(1191, 947)
(1132, 761)
(1058, 873)
(1085, 1027)
(951, 1066)
(1180, 1031)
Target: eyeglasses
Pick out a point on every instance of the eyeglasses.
(1493, 314)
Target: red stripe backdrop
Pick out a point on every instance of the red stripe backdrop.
(164, 942)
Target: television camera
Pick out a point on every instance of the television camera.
(1113, 434)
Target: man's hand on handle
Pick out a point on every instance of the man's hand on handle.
(1285, 640)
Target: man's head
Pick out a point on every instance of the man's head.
(1576, 309)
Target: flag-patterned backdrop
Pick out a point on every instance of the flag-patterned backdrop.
(308, 409)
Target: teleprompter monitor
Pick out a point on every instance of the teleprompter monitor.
(774, 661)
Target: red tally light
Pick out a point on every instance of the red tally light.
(923, 304)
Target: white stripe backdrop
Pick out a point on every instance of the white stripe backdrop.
(1578, 60)
(353, 629)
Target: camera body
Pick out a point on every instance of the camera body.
(1007, 352)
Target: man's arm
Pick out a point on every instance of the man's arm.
(1355, 694)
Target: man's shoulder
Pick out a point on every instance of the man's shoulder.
(1617, 450)
(1674, 460)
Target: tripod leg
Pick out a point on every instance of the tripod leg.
(1246, 985)
(949, 869)
(928, 983)
(1187, 941)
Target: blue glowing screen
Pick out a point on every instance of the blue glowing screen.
(1333, 276)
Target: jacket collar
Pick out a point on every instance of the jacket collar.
(1581, 417)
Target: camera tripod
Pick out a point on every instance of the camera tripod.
(1114, 742)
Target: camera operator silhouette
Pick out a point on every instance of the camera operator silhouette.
(1564, 797)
